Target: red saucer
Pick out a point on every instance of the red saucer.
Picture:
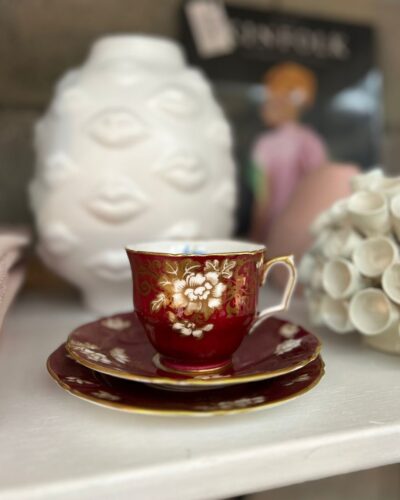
(118, 346)
(143, 398)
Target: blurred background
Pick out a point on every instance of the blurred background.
(40, 41)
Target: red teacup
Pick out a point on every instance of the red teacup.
(198, 300)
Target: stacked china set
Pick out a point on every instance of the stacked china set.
(185, 350)
(352, 272)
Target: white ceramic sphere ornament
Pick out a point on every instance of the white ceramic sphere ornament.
(357, 246)
(133, 148)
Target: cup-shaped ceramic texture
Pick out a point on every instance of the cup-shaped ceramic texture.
(340, 279)
(316, 275)
(374, 255)
(395, 213)
(314, 303)
(388, 186)
(339, 214)
(197, 300)
(342, 243)
(391, 282)
(369, 212)
(371, 312)
(310, 270)
(388, 341)
(335, 314)
(321, 222)
(321, 241)
(367, 181)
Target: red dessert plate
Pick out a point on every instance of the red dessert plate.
(118, 346)
(135, 397)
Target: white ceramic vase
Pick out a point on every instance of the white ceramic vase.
(356, 254)
(133, 147)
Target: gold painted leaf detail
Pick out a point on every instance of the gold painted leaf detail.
(164, 281)
(171, 316)
(212, 265)
(227, 268)
(159, 302)
(189, 269)
(171, 268)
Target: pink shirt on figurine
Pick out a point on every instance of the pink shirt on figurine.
(285, 155)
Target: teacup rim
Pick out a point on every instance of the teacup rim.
(257, 248)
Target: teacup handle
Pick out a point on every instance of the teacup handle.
(288, 262)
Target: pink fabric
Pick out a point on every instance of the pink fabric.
(12, 244)
(286, 155)
(10, 290)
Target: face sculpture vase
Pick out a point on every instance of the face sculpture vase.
(130, 132)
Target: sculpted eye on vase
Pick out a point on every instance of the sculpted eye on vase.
(116, 128)
(185, 171)
(117, 202)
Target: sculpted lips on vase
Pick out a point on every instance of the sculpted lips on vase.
(111, 266)
(176, 101)
(116, 128)
(116, 203)
(184, 171)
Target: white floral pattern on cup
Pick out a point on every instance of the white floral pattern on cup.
(188, 328)
(193, 290)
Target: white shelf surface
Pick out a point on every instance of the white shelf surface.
(54, 446)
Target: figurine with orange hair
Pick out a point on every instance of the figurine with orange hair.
(283, 155)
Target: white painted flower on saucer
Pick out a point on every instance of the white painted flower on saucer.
(289, 330)
(116, 323)
(119, 355)
(90, 352)
(241, 403)
(287, 346)
(78, 381)
(301, 378)
(106, 395)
